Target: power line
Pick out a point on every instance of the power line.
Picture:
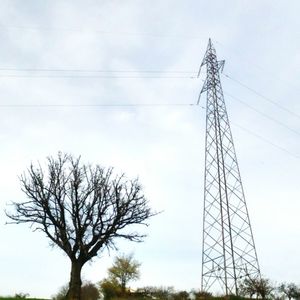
(118, 105)
(267, 141)
(94, 70)
(103, 32)
(259, 136)
(96, 105)
(90, 73)
(95, 76)
(259, 67)
(262, 96)
(262, 113)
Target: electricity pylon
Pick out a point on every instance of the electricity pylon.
(229, 253)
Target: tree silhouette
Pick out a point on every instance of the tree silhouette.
(290, 290)
(81, 208)
(261, 287)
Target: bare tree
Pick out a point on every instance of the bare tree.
(261, 287)
(81, 208)
(264, 288)
(248, 287)
(290, 290)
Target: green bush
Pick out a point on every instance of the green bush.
(18, 298)
(89, 291)
(110, 289)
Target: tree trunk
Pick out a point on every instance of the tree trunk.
(123, 286)
(74, 292)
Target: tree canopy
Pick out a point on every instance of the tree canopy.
(124, 269)
(81, 208)
(261, 287)
(290, 290)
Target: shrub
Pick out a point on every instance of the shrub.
(110, 288)
(154, 292)
(88, 292)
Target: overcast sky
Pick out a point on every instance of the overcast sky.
(162, 145)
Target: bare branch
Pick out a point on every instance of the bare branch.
(81, 208)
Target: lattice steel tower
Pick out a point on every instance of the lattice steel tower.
(229, 253)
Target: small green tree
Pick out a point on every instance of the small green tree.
(124, 269)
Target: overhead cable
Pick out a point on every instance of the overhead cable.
(262, 96)
(93, 76)
(263, 114)
(267, 141)
(94, 70)
(104, 32)
(97, 105)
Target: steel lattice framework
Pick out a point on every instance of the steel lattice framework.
(229, 253)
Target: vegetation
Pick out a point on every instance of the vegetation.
(82, 209)
(258, 288)
(111, 290)
(124, 269)
(89, 291)
(166, 293)
(289, 290)
(18, 298)
(261, 287)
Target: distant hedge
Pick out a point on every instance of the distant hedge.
(20, 298)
